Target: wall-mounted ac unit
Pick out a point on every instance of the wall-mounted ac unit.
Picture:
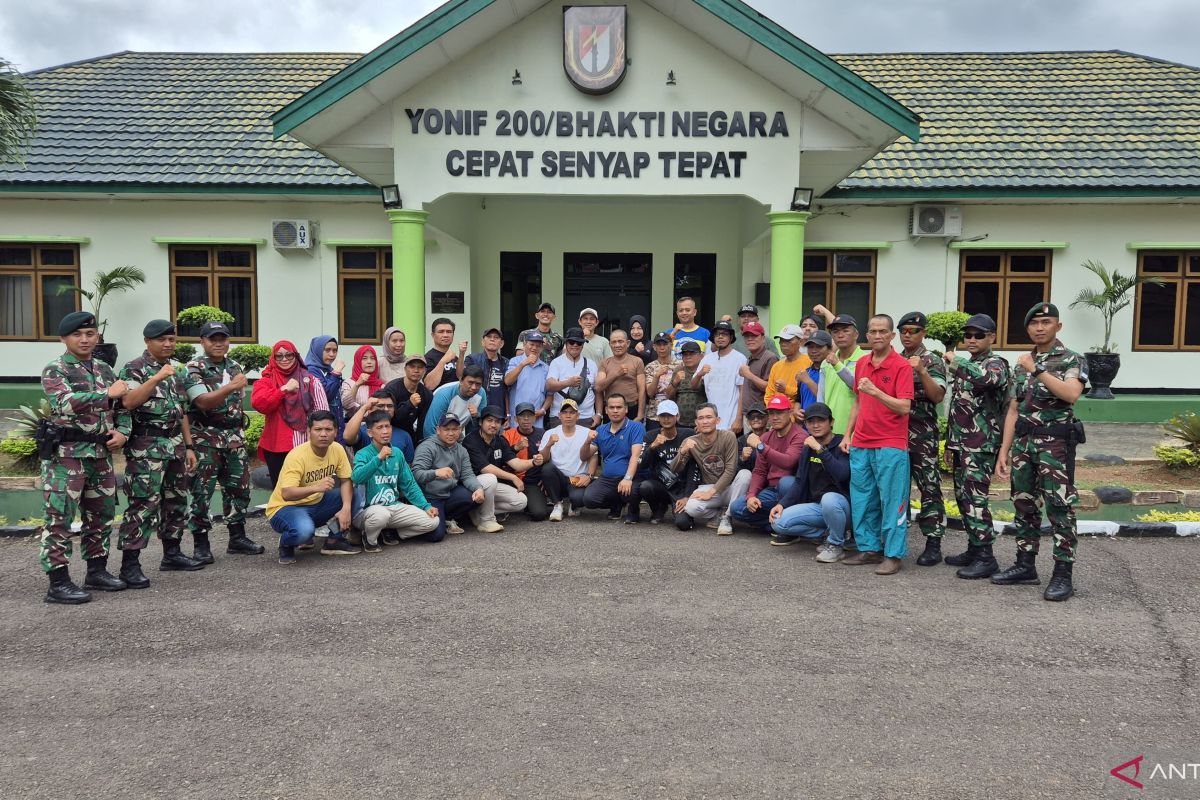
(292, 234)
(936, 221)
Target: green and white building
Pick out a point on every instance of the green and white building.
(979, 181)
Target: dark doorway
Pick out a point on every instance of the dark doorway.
(696, 277)
(617, 285)
(520, 295)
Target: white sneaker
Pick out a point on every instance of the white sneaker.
(556, 513)
(489, 526)
(725, 527)
(453, 527)
(830, 554)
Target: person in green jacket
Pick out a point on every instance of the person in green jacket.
(394, 500)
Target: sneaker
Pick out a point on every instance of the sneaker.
(614, 514)
(633, 519)
(572, 511)
(338, 546)
(830, 554)
(779, 540)
(489, 526)
(389, 537)
(306, 546)
(371, 547)
(725, 526)
(453, 528)
(556, 513)
(287, 554)
(502, 518)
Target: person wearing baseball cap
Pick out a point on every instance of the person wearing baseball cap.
(929, 389)
(491, 454)
(565, 476)
(524, 438)
(663, 488)
(552, 341)
(838, 369)
(658, 376)
(759, 361)
(687, 328)
(526, 379)
(721, 372)
(410, 398)
(595, 347)
(774, 469)
(784, 377)
(684, 388)
(573, 375)
(1043, 432)
(493, 364)
(749, 314)
(809, 382)
(442, 467)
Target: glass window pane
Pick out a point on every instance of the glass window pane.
(190, 290)
(1160, 263)
(1021, 298)
(1191, 318)
(816, 262)
(55, 306)
(358, 309)
(815, 292)
(240, 257)
(359, 259)
(57, 256)
(982, 262)
(236, 296)
(190, 258)
(852, 262)
(1194, 265)
(982, 297)
(389, 313)
(1156, 320)
(387, 259)
(16, 305)
(853, 298)
(1027, 263)
(16, 256)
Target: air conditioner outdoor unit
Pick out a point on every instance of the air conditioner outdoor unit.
(936, 221)
(292, 234)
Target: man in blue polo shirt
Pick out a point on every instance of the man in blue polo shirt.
(620, 445)
(526, 379)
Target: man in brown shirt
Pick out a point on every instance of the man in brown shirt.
(623, 373)
(715, 455)
(757, 367)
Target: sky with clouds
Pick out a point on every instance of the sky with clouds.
(43, 33)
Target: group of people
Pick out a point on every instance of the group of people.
(804, 436)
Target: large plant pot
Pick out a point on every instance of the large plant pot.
(106, 352)
(1102, 371)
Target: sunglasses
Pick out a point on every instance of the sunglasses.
(974, 335)
(284, 356)
(911, 331)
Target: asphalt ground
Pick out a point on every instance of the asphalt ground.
(591, 659)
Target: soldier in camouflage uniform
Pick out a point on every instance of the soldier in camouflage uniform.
(89, 423)
(929, 388)
(979, 398)
(1043, 432)
(214, 384)
(159, 456)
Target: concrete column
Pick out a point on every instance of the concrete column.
(787, 267)
(408, 275)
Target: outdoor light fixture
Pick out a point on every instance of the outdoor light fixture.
(801, 199)
(391, 196)
(670, 77)
(516, 77)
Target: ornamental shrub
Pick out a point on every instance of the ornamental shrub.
(947, 327)
(254, 431)
(184, 352)
(23, 451)
(252, 357)
(195, 316)
(1181, 458)
(1154, 515)
(1186, 428)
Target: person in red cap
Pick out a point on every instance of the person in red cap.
(756, 370)
(774, 469)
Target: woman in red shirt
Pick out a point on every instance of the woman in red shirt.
(285, 394)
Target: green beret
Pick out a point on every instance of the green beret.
(158, 327)
(1041, 310)
(76, 320)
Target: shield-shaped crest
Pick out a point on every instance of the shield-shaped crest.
(594, 47)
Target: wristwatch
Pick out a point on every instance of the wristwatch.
(1038, 370)
(760, 447)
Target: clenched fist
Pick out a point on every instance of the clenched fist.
(118, 389)
(165, 371)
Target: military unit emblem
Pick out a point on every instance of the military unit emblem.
(594, 39)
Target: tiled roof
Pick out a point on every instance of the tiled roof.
(177, 118)
(1084, 120)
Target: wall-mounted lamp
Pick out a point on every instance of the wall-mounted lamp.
(670, 77)
(516, 77)
(391, 196)
(801, 199)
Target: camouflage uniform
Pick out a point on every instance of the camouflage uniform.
(1043, 465)
(923, 437)
(220, 446)
(80, 476)
(156, 479)
(978, 400)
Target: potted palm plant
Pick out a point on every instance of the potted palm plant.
(1114, 293)
(113, 281)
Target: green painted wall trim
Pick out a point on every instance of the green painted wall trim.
(1139, 408)
(803, 56)
(357, 243)
(1006, 193)
(986, 245)
(1158, 245)
(205, 240)
(847, 245)
(424, 31)
(47, 239)
(186, 188)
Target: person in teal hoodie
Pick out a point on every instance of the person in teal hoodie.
(394, 500)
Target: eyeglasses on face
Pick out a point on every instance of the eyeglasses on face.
(284, 356)
(910, 331)
(974, 335)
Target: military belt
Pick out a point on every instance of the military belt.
(146, 429)
(223, 423)
(1071, 430)
(76, 435)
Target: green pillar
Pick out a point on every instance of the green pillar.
(408, 275)
(787, 267)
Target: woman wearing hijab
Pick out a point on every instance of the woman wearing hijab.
(364, 380)
(324, 365)
(639, 339)
(391, 356)
(285, 394)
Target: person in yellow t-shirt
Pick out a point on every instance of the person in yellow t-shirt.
(785, 373)
(308, 494)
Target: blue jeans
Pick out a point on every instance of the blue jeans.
(768, 496)
(879, 487)
(458, 503)
(297, 524)
(812, 520)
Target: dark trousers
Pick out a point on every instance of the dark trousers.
(274, 462)
(602, 493)
(558, 486)
(458, 503)
(536, 507)
(657, 496)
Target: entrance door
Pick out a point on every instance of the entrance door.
(520, 295)
(617, 285)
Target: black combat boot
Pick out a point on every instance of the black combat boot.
(201, 551)
(98, 576)
(932, 553)
(984, 565)
(1023, 572)
(175, 560)
(242, 544)
(964, 558)
(131, 570)
(1060, 587)
(62, 590)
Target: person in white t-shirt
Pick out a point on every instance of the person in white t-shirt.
(573, 375)
(720, 371)
(564, 476)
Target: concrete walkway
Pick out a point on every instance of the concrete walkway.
(1124, 439)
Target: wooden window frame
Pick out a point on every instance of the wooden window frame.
(381, 274)
(35, 272)
(1005, 277)
(832, 278)
(1181, 280)
(214, 273)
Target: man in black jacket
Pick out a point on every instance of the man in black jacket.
(818, 503)
(661, 487)
(410, 398)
